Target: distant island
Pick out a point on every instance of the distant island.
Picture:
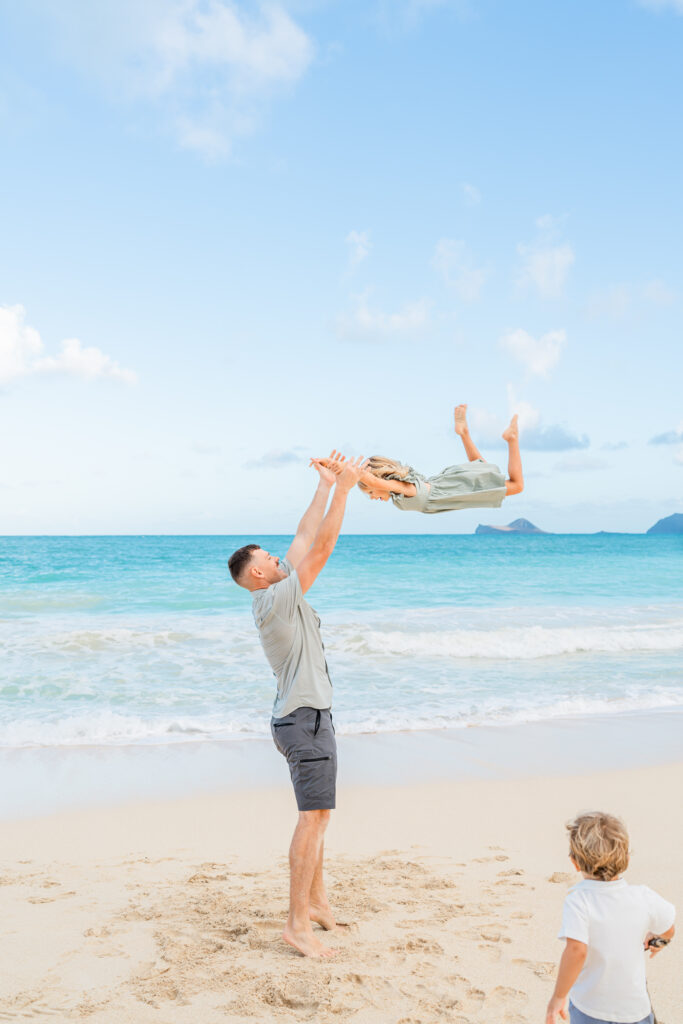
(517, 526)
(672, 524)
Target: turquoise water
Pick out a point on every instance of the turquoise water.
(111, 640)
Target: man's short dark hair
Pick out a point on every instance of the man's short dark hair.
(240, 559)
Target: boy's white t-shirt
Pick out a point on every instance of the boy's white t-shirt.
(613, 918)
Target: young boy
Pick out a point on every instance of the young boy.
(607, 924)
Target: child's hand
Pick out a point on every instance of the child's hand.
(653, 950)
(556, 1008)
(330, 467)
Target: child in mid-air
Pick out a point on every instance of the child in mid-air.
(473, 484)
(608, 926)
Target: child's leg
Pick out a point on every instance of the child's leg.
(515, 483)
(463, 432)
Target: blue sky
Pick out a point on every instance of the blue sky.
(234, 235)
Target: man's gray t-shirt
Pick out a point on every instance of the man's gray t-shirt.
(291, 640)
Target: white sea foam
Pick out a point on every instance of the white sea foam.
(517, 643)
(109, 728)
(416, 633)
(181, 678)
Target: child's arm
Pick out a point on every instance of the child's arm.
(388, 486)
(571, 964)
(370, 480)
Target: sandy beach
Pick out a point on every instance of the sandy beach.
(170, 910)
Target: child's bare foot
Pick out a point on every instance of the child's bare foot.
(511, 433)
(461, 420)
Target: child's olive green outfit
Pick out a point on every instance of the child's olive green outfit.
(475, 484)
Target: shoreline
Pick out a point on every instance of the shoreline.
(37, 781)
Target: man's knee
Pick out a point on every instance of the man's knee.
(315, 819)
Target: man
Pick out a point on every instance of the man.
(301, 725)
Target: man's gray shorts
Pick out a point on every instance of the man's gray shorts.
(577, 1017)
(306, 738)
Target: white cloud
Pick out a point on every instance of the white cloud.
(545, 268)
(547, 222)
(663, 5)
(274, 459)
(486, 425)
(409, 12)
(206, 67)
(471, 194)
(201, 448)
(365, 322)
(359, 246)
(538, 355)
(553, 437)
(545, 263)
(22, 354)
(538, 436)
(669, 436)
(617, 301)
(613, 302)
(454, 263)
(657, 292)
(615, 446)
(19, 344)
(88, 362)
(534, 434)
(678, 456)
(580, 463)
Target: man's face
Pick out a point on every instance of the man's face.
(267, 567)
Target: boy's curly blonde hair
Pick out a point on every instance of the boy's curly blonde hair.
(599, 844)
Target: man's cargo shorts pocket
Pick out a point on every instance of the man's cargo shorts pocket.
(314, 779)
(282, 735)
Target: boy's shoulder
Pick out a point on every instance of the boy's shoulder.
(588, 889)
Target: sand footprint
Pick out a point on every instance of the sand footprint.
(561, 876)
(50, 899)
(541, 968)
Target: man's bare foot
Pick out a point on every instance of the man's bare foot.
(325, 918)
(461, 420)
(305, 942)
(511, 433)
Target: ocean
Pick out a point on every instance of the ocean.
(146, 640)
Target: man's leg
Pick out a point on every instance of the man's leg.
(463, 432)
(305, 858)
(320, 909)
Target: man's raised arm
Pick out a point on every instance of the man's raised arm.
(327, 534)
(313, 516)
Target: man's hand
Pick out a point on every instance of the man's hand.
(331, 467)
(351, 473)
(556, 1008)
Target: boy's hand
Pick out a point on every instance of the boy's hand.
(556, 1008)
(653, 950)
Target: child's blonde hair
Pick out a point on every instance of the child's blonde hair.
(599, 844)
(384, 468)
